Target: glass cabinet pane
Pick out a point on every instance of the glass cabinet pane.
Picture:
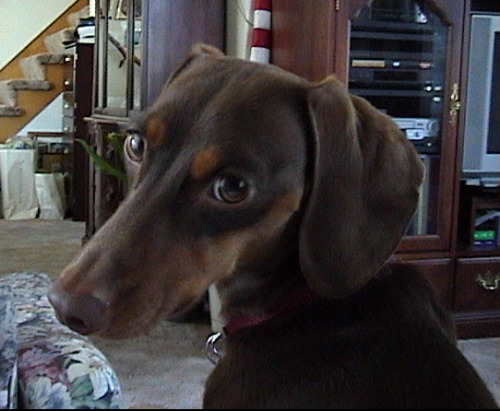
(397, 61)
(102, 12)
(116, 93)
(119, 55)
(137, 55)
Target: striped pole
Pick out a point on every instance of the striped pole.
(260, 48)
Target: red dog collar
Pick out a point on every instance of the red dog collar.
(298, 299)
(301, 298)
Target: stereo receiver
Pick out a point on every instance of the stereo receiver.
(411, 74)
(423, 132)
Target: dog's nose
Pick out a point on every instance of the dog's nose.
(83, 313)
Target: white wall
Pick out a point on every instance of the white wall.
(23, 20)
(238, 28)
(50, 119)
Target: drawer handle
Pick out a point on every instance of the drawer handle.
(489, 281)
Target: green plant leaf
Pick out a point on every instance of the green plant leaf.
(117, 140)
(102, 163)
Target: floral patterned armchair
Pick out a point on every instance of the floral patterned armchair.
(43, 364)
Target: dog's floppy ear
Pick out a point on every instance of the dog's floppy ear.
(198, 50)
(366, 177)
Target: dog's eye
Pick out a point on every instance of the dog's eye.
(230, 189)
(134, 147)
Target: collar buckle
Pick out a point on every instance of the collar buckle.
(213, 351)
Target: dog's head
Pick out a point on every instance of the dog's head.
(239, 167)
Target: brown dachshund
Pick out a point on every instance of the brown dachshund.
(290, 196)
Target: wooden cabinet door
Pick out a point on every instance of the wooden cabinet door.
(404, 57)
(303, 37)
(406, 60)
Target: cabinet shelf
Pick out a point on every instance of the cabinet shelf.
(388, 55)
(384, 34)
(373, 91)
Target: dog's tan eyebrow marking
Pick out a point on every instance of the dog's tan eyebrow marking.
(155, 131)
(205, 162)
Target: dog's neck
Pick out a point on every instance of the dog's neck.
(248, 299)
(296, 299)
(242, 310)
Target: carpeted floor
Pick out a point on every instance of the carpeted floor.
(165, 368)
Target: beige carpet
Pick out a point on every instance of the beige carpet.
(165, 368)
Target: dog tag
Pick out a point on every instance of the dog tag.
(214, 354)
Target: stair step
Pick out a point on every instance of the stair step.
(74, 18)
(10, 111)
(33, 70)
(22, 84)
(33, 67)
(9, 88)
(56, 43)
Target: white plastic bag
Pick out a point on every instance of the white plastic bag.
(51, 195)
(17, 171)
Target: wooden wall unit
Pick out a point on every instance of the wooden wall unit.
(171, 28)
(75, 114)
(105, 192)
(316, 39)
(155, 41)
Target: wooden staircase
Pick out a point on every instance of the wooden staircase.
(35, 76)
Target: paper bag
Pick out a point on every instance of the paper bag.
(51, 195)
(17, 172)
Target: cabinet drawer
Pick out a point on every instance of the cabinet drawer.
(477, 284)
